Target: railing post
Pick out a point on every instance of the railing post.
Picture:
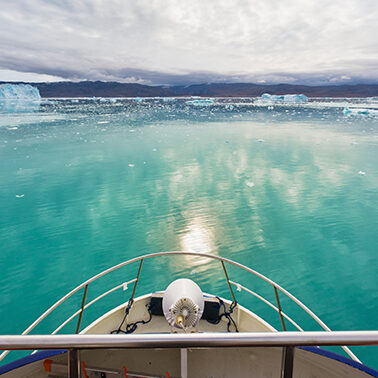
(82, 309)
(287, 366)
(73, 363)
(228, 282)
(279, 308)
(136, 282)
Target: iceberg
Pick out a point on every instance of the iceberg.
(284, 99)
(200, 102)
(360, 111)
(19, 92)
(19, 98)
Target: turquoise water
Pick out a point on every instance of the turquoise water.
(290, 191)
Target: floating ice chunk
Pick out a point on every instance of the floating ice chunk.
(154, 149)
(102, 122)
(362, 173)
(138, 99)
(359, 111)
(266, 97)
(200, 102)
(131, 165)
(296, 98)
(250, 184)
(286, 99)
(20, 195)
(169, 99)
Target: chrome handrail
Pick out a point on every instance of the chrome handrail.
(345, 348)
(188, 340)
(175, 253)
(241, 287)
(92, 302)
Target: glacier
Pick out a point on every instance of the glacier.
(19, 98)
(284, 99)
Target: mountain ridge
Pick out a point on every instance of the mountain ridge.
(117, 89)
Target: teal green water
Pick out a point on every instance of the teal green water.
(289, 191)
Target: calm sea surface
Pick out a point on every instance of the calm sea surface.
(290, 191)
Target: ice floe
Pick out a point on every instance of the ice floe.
(284, 99)
(360, 111)
(200, 102)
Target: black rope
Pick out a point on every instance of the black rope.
(226, 314)
(130, 328)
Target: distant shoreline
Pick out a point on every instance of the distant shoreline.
(66, 89)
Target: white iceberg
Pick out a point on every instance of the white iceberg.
(200, 102)
(360, 111)
(284, 99)
(15, 98)
(19, 92)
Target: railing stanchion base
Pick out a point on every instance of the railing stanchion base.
(287, 362)
(73, 363)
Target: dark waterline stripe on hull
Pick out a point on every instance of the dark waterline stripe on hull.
(29, 360)
(342, 359)
(322, 352)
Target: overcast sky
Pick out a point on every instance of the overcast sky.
(190, 41)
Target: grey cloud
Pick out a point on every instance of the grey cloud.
(170, 42)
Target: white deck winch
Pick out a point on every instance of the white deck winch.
(183, 303)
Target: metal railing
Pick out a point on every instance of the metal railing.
(189, 340)
(140, 259)
(287, 340)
